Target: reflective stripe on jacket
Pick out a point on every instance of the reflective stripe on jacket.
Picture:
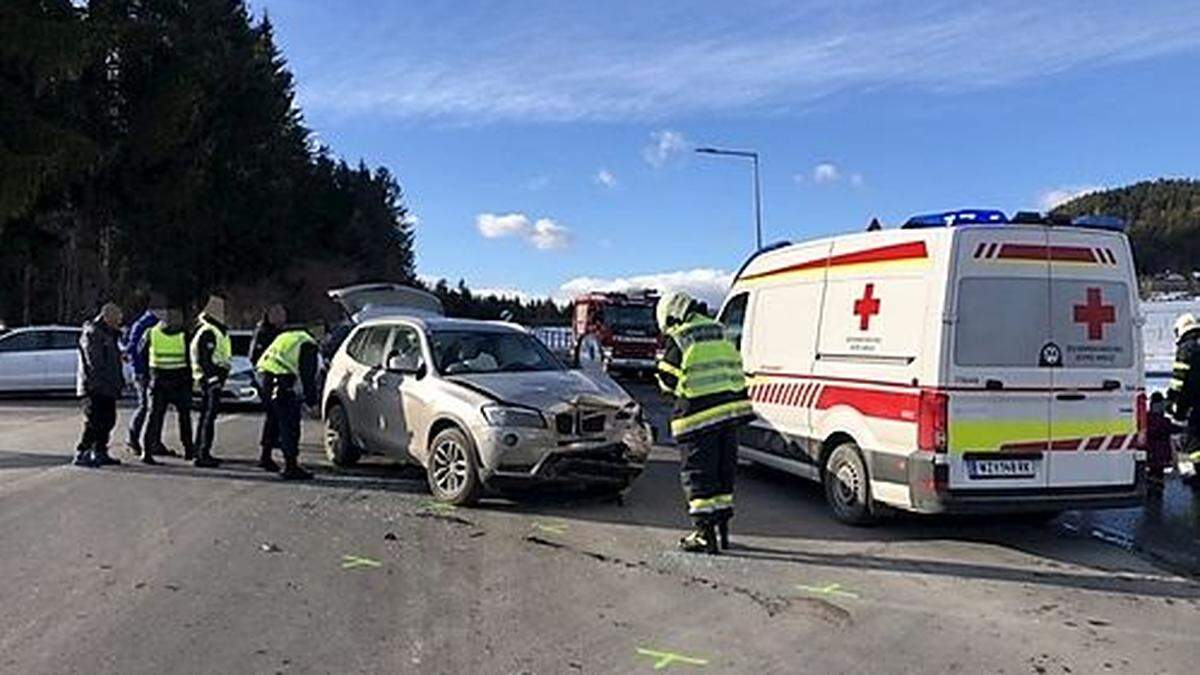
(222, 354)
(168, 351)
(282, 357)
(703, 371)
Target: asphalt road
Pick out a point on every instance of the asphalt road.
(173, 569)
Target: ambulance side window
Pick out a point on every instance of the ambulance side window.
(733, 317)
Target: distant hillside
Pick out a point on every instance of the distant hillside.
(1164, 221)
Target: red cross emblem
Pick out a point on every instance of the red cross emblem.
(1095, 314)
(866, 307)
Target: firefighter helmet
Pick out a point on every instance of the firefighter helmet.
(1185, 324)
(672, 309)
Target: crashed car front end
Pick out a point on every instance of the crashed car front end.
(587, 440)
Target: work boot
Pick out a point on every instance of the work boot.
(701, 540)
(189, 455)
(723, 533)
(101, 458)
(293, 472)
(147, 458)
(206, 461)
(84, 458)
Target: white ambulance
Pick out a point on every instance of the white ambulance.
(965, 362)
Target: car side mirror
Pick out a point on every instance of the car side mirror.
(398, 364)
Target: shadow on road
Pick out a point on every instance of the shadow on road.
(30, 460)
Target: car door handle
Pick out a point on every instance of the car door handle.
(1070, 396)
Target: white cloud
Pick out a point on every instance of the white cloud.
(1061, 195)
(544, 234)
(606, 178)
(666, 145)
(554, 65)
(493, 226)
(704, 284)
(826, 172)
(547, 235)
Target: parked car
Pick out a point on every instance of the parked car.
(39, 359)
(480, 405)
(239, 386)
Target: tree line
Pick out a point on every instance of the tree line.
(154, 146)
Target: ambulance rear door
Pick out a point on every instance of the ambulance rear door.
(999, 360)
(1093, 423)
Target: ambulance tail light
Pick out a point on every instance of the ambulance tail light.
(933, 421)
(1139, 408)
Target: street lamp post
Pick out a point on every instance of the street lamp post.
(753, 156)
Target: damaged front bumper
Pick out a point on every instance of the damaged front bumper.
(610, 463)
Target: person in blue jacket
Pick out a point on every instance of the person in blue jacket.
(141, 373)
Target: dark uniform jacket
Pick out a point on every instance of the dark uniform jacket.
(1184, 394)
(100, 372)
(208, 345)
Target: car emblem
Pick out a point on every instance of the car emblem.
(1051, 356)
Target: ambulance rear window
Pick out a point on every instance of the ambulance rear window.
(1001, 321)
(1091, 323)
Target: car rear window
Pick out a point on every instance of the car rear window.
(1001, 321)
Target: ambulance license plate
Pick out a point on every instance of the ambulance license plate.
(1001, 468)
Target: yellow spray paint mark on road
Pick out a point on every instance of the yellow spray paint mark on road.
(438, 506)
(665, 659)
(828, 589)
(552, 528)
(350, 562)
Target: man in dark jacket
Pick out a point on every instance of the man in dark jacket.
(268, 328)
(141, 373)
(165, 346)
(100, 381)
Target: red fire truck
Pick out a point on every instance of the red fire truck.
(625, 326)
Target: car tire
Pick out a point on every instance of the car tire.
(452, 469)
(339, 443)
(847, 485)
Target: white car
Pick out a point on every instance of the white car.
(479, 405)
(39, 359)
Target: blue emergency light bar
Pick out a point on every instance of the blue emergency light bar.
(954, 218)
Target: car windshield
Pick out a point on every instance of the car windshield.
(631, 319)
(461, 352)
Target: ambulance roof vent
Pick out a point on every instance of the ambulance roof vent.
(954, 218)
(1112, 223)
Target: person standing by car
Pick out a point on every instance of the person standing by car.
(702, 370)
(268, 328)
(289, 361)
(1183, 394)
(211, 353)
(100, 381)
(165, 347)
(141, 374)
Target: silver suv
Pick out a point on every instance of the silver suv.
(479, 405)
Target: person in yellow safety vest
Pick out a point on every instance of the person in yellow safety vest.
(211, 353)
(289, 361)
(165, 347)
(1183, 395)
(702, 370)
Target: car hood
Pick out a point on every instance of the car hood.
(546, 390)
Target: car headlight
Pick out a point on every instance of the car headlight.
(505, 416)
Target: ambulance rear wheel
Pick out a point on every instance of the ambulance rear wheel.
(847, 486)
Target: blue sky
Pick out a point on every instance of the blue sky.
(546, 147)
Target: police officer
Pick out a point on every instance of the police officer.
(165, 346)
(211, 353)
(1183, 395)
(268, 328)
(289, 361)
(702, 370)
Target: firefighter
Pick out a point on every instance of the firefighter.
(165, 347)
(1183, 395)
(290, 360)
(211, 353)
(702, 370)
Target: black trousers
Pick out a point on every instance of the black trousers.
(269, 439)
(708, 467)
(177, 393)
(281, 427)
(99, 418)
(210, 407)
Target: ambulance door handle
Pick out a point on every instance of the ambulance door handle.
(1111, 385)
(993, 384)
(1071, 396)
